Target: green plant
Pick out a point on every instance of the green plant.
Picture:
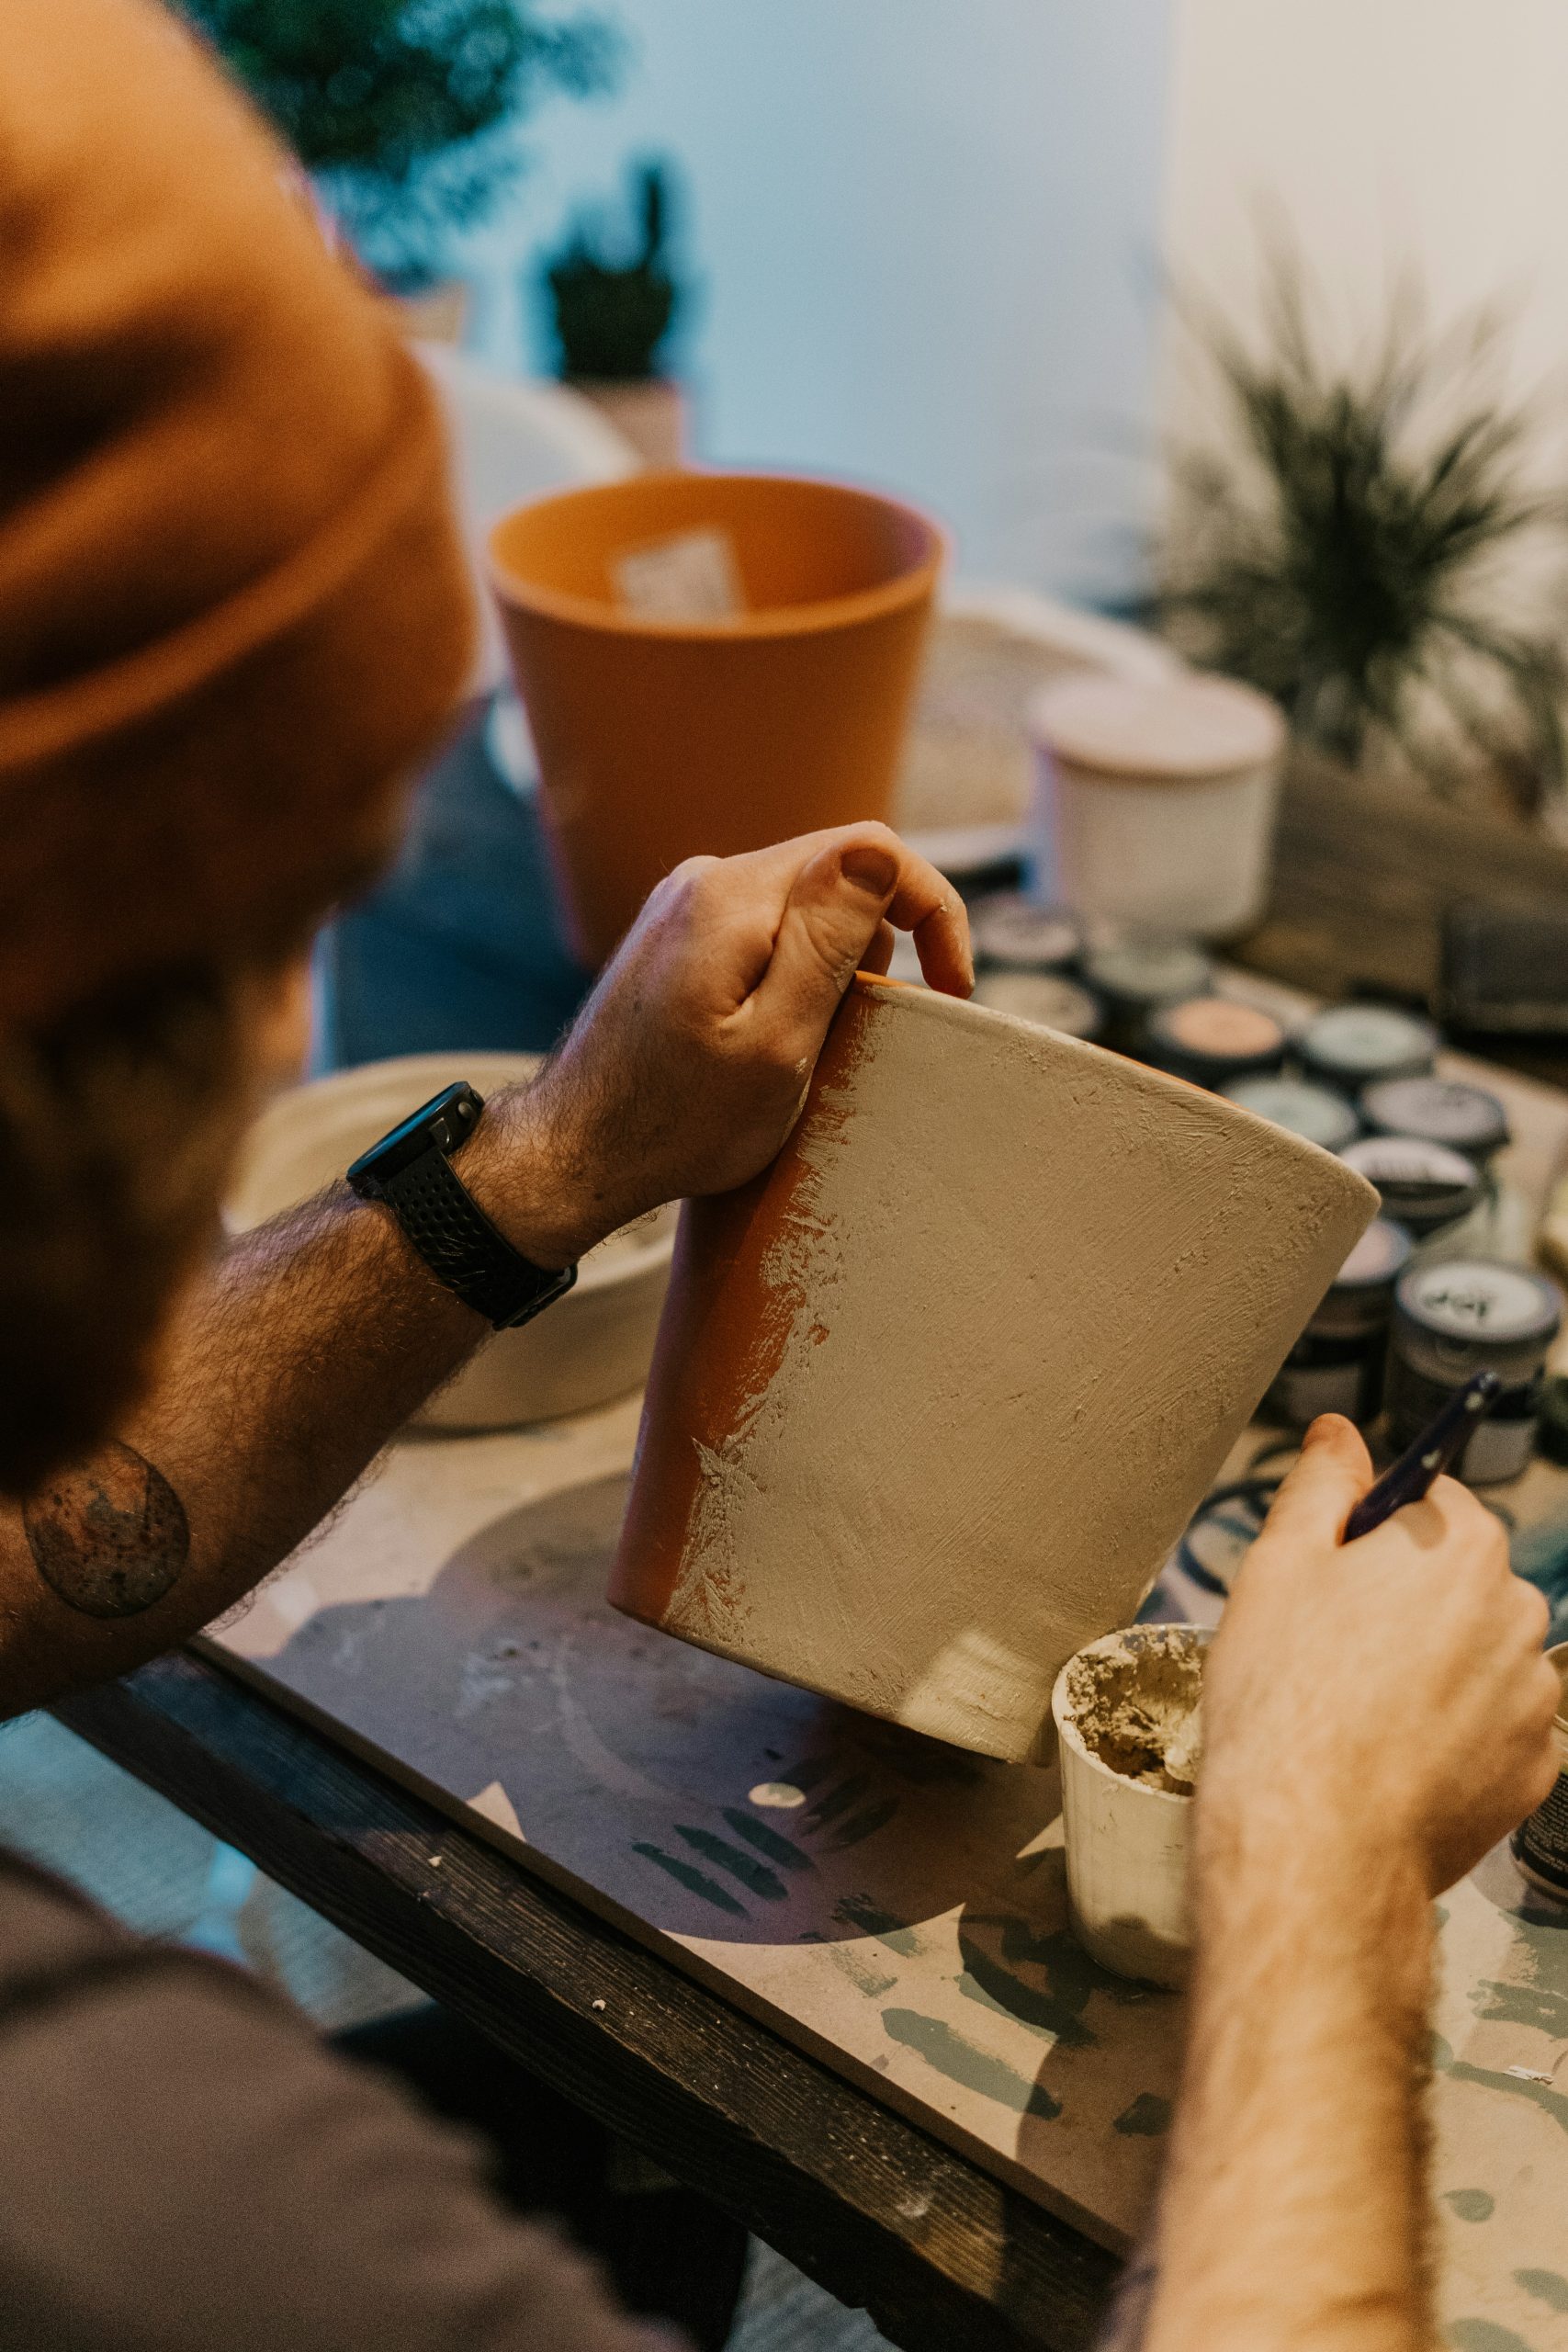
(405, 111)
(610, 315)
(1348, 552)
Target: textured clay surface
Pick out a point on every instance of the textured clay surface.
(934, 1396)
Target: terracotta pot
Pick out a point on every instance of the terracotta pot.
(661, 739)
(933, 1398)
(650, 415)
(592, 1345)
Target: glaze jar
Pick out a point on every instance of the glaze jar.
(1353, 1046)
(1155, 799)
(1319, 1114)
(1048, 999)
(1209, 1040)
(1336, 1365)
(1441, 1111)
(1539, 1845)
(1453, 1319)
(1424, 1187)
(1010, 932)
(1135, 976)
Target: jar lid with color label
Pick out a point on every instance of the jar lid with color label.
(1441, 1110)
(1464, 1315)
(1208, 1039)
(1314, 1111)
(1423, 1184)
(1137, 974)
(1043, 998)
(1010, 929)
(1352, 1046)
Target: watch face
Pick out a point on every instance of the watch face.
(442, 1124)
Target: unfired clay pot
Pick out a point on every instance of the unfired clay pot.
(590, 1346)
(932, 1399)
(658, 739)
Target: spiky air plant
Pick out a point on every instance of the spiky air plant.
(1346, 551)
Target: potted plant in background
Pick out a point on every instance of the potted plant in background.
(1373, 548)
(404, 113)
(612, 308)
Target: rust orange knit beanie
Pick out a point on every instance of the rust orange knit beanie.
(232, 605)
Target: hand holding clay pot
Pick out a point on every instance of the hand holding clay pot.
(687, 1068)
(935, 1396)
(1387, 1698)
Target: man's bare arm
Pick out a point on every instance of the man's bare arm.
(1294, 2211)
(286, 1371)
(1377, 1716)
(288, 1366)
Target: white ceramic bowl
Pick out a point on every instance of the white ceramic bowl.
(592, 1345)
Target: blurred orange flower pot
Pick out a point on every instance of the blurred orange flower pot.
(660, 738)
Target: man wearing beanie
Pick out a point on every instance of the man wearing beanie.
(233, 619)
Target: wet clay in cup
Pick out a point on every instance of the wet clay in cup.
(1128, 1713)
(932, 1399)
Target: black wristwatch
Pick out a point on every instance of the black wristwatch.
(411, 1171)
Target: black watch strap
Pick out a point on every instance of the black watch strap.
(441, 1219)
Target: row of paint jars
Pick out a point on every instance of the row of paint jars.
(1353, 1069)
(1435, 1289)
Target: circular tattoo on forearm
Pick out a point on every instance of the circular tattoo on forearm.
(110, 1539)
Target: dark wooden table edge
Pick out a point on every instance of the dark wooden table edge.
(938, 2251)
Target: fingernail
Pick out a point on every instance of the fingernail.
(1323, 1429)
(872, 869)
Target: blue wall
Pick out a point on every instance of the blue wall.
(926, 231)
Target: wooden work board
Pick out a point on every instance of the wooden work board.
(892, 1906)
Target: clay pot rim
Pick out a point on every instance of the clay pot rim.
(1068, 1730)
(343, 1088)
(934, 1003)
(909, 588)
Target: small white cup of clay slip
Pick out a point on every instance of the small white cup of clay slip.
(1128, 1722)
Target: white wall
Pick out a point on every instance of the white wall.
(1387, 131)
(927, 231)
